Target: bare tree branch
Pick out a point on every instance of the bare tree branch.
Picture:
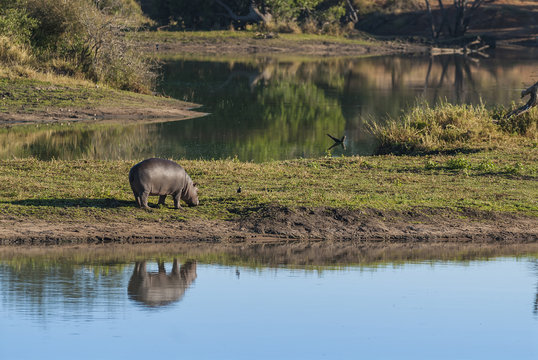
(532, 91)
(254, 14)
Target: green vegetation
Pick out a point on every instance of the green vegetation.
(448, 127)
(281, 15)
(82, 39)
(497, 180)
(223, 36)
(63, 93)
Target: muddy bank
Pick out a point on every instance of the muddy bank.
(95, 115)
(281, 225)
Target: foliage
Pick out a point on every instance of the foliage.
(525, 124)
(424, 128)
(450, 127)
(208, 14)
(78, 37)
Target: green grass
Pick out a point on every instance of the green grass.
(496, 180)
(224, 35)
(23, 95)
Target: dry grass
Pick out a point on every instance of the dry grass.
(449, 127)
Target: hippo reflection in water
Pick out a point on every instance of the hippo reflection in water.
(158, 289)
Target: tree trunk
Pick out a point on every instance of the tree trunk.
(254, 14)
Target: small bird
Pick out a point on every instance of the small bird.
(337, 141)
(239, 190)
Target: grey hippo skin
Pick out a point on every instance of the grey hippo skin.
(162, 177)
(159, 289)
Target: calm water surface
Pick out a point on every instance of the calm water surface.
(270, 108)
(433, 310)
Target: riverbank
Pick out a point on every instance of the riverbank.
(208, 43)
(377, 199)
(51, 99)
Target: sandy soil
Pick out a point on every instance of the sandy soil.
(101, 114)
(276, 225)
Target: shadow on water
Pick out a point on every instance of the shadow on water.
(80, 202)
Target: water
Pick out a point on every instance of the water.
(430, 310)
(272, 108)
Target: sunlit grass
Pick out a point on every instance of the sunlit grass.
(448, 127)
(88, 190)
(46, 91)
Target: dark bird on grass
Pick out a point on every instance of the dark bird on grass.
(337, 141)
(239, 190)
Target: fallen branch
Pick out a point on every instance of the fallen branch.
(530, 104)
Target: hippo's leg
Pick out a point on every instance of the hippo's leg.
(137, 198)
(177, 198)
(162, 198)
(144, 199)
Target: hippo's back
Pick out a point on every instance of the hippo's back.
(159, 176)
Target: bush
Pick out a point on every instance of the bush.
(82, 37)
(525, 124)
(13, 54)
(16, 25)
(443, 127)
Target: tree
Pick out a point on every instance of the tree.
(461, 13)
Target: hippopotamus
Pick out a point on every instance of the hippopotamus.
(162, 177)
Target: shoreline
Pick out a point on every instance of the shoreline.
(284, 226)
(261, 217)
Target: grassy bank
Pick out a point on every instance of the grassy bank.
(255, 43)
(52, 98)
(496, 180)
(225, 36)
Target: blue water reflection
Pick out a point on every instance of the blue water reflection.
(435, 310)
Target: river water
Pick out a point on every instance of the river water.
(479, 309)
(267, 108)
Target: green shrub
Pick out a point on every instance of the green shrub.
(12, 53)
(525, 124)
(16, 24)
(82, 37)
(458, 163)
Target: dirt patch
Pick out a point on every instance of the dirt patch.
(281, 225)
(100, 115)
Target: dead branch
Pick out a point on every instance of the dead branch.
(353, 15)
(530, 104)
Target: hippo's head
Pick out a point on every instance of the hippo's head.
(190, 195)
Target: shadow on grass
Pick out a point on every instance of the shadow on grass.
(106, 203)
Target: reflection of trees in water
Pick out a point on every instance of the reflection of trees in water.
(45, 290)
(261, 111)
(535, 310)
(78, 142)
(267, 108)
